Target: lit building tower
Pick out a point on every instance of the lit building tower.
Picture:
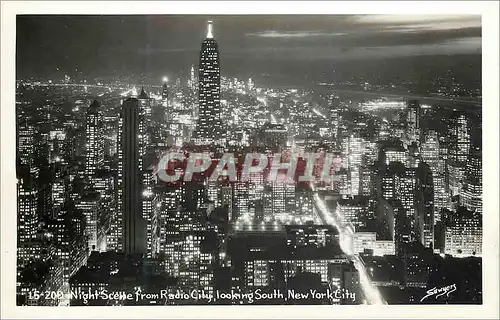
(459, 138)
(413, 120)
(431, 156)
(68, 234)
(58, 193)
(425, 205)
(278, 196)
(334, 106)
(250, 84)
(192, 79)
(25, 142)
(472, 189)
(444, 201)
(407, 186)
(145, 103)
(354, 162)
(458, 150)
(164, 92)
(148, 182)
(90, 207)
(94, 148)
(334, 123)
(105, 186)
(26, 208)
(399, 186)
(209, 126)
(129, 228)
(241, 196)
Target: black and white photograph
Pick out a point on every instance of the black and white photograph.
(250, 160)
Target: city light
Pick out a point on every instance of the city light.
(371, 293)
(216, 184)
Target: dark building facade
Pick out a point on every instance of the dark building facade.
(131, 239)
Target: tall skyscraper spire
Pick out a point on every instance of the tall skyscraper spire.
(164, 90)
(143, 94)
(209, 126)
(210, 34)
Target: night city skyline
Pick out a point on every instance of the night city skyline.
(249, 160)
(323, 47)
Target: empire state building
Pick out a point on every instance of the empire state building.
(209, 126)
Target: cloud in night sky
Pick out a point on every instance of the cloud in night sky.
(376, 36)
(294, 34)
(430, 22)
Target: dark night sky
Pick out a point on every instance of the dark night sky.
(157, 44)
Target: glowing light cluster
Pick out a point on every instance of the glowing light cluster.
(316, 111)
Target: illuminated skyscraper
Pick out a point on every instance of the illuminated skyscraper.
(129, 225)
(167, 202)
(187, 255)
(425, 205)
(430, 151)
(67, 232)
(25, 140)
(459, 138)
(406, 194)
(354, 162)
(146, 111)
(290, 203)
(355, 151)
(209, 127)
(94, 148)
(105, 186)
(250, 84)
(398, 186)
(472, 188)
(431, 156)
(241, 197)
(366, 183)
(145, 103)
(147, 207)
(58, 193)
(226, 198)
(334, 123)
(456, 174)
(267, 203)
(413, 120)
(26, 208)
(164, 91)
(90, 206)
(192, 79)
